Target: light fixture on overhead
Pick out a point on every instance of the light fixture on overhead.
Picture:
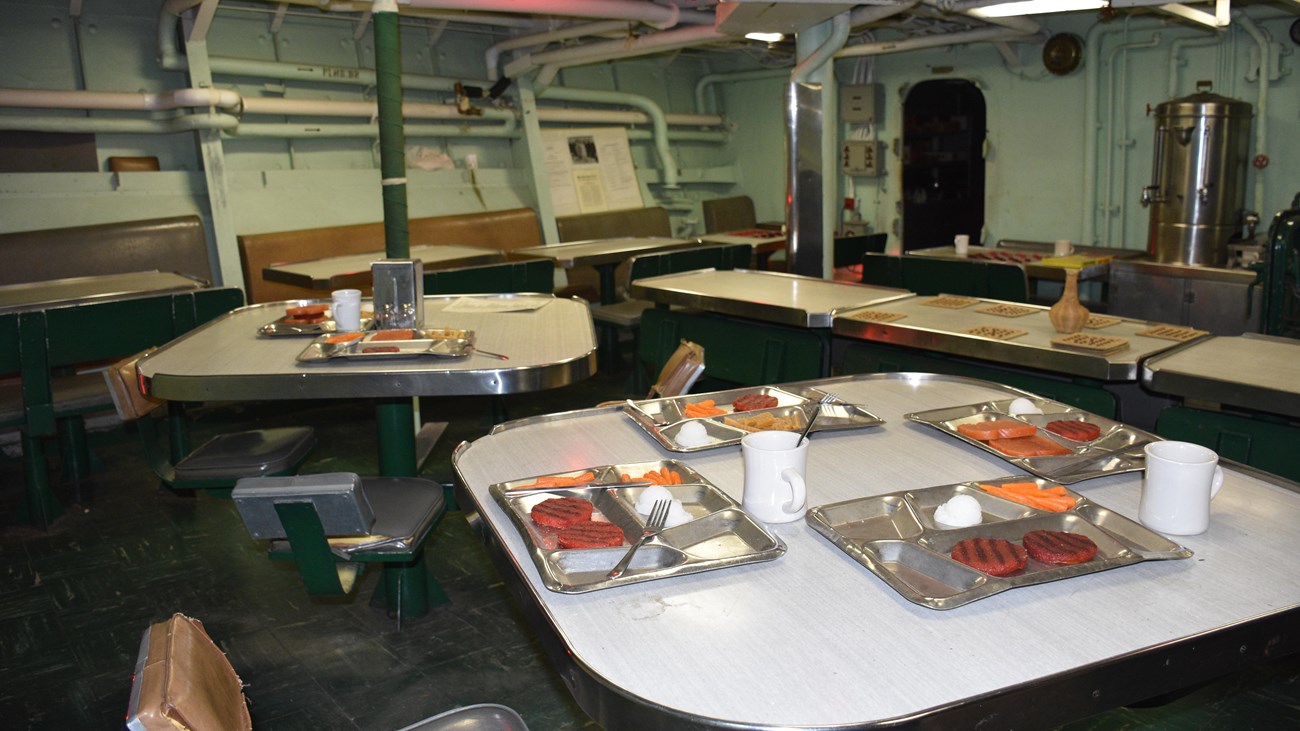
(1035, 7)
(765, 37)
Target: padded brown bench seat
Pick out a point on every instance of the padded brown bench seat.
(506, 230)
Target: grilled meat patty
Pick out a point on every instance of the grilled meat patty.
(993, 556)
(1079, 431)
(591, 534)
(1058, 547)
(559, 512)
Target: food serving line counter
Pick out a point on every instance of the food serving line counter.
(549, 342)
(814, 640)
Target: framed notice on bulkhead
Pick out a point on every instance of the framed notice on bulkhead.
(590, 170)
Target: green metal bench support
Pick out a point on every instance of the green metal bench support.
(739, 351)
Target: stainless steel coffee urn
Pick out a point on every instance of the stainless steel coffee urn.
(1198, 190)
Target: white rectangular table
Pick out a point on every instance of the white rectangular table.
(814, 640)
(353, 270)
(1251, 371)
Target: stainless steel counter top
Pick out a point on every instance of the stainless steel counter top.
(1033, 267)
(1179, 271)
(940, 330)
(783, 299)
(814, 640)
(226, 360)
(1250, 371)
(82, 290)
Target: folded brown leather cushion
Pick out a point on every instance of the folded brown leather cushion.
(186, 682)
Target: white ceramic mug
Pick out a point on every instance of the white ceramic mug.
(961, 242)
(1062, 247)
(346, 308)
(1181, 480)
(775, 464)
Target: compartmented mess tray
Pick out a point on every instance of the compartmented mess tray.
(787, 410)
(381, 344)
(897, 537)
(717, 532)
(288, 325)
(1117, 448)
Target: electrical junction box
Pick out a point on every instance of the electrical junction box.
(862, 157)
(862, 103)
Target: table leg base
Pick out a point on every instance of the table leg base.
(406, 591)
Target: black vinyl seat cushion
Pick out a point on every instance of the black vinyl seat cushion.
(248, 454)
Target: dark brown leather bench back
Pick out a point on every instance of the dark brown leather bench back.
(511, 229)
(584, 281)
(175, 244)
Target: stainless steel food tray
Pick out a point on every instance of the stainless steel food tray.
(719, 535)
(365, 348)
(279, 328)
(663, 418)
(1116, 450)
(897, 538)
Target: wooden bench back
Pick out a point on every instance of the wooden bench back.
(176, 244)
(505, 230)
(584, 281)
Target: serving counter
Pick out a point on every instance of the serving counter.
(943, 330)
(814, 640)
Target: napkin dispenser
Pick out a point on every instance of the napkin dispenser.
(398, 293)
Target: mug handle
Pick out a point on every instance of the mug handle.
(798, 493)
(1217, 482)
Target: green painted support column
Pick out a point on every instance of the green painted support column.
(392, 139)
(394, 418)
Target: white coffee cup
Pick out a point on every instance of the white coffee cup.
(1181, 480)
(775, 464)
(1062, 247)
(346, 307)
(961, 242)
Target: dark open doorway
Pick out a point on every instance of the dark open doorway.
(943, 163)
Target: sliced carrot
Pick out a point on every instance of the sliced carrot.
(1021, 487)
(1050, 499)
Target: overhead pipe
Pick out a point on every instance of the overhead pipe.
(979, 35)
(643, 103)
(669, 40)
(710, 79)
(1261, 101)
(651, 13)
(493, 55)
(121, 101)
(822, 54)
(108, 125)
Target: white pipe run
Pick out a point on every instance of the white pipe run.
(1108, 212)
(645, 104)
(119, 101)
(1261, 102)
(610, 50)
(710, 79)
(811, 63)
(979, 35)
(1176, 48)
(103, 125)
(653, 14)
(493, 55)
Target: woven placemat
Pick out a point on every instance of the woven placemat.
(1088, 343)
(1097, 322)
(1007, 310)
(1172, 332)
(995, 332)
(950, 302)
(875, 316)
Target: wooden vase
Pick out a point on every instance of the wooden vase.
(1068, 315)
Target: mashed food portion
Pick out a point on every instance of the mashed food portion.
(959, 512)
(693, 434)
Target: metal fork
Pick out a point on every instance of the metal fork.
(658, 518)
(823, 401)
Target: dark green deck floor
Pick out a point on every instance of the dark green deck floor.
(74, 601)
